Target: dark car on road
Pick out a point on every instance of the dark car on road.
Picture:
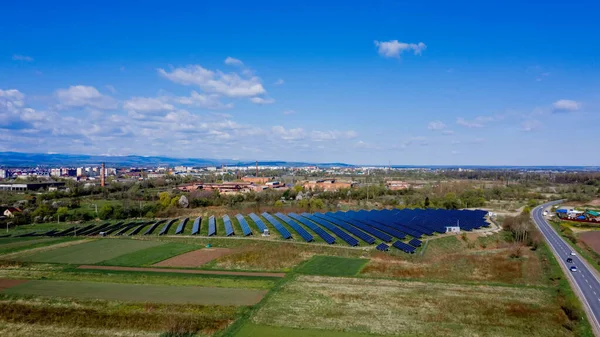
(569, 260)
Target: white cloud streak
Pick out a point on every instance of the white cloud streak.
(394, 48)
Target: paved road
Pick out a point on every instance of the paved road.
(584, 279)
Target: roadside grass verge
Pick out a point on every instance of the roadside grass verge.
(149, 256)
(332, 266)
(90, 252)
(587, 253)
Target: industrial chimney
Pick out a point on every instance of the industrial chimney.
(102, 175)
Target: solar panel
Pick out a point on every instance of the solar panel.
(415, 243)
(181, 226)
(259, 223)
(196, 226)
(126, 228)
(153, 227)
(137, 229)
(278, 226)
(299, 229)
(166, 227)
(382, 247)
(404, 247)
(228, 225)
(212, 226)
(244, 224)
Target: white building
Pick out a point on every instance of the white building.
(3, 174)
(453, 229)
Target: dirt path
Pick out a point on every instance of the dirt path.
(6, 283)
(183, 271)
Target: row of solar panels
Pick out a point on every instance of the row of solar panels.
(367, 226)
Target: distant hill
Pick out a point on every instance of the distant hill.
(20, 159)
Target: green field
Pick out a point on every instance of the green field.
(149, 256)
(89, 252)
(138, 292)
(332, 266)
(19, 245)
(252, 330)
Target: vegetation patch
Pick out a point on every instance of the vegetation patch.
(332, 266)
(90, 252)
(252, 330)
(80, 317)
(138, 292)
(148, 256)
(389, 307)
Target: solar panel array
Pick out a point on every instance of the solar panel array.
(299, 229)
(196, 226)
(228, 225)
(244, 224)
(212, 226)
(405, 227)
(278, 226)
(346, 226)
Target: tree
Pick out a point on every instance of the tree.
(426, 202)
(278, 204)
(62, 212)
(105, 212)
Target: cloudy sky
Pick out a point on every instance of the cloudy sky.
(375, 82)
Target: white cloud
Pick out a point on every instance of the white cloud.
(530, 125)
(228, 84)
(436, 126)
(84, 96)
(477, 141)
(469, 124)
(17, 57)
(279, 82)
(289, 134)
(332, 135)
(394, 48)
(233, 62)
(260, 100)
(447, 132)
(566, 105)
(147, 104)
(288, 112)
(203, 101)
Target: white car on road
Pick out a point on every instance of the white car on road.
(573, 269)
(573, 253)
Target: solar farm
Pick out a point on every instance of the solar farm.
(404, 229)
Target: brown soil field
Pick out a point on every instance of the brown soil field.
(591, 239)
(195, 258)
(5, 283)
(182, 271)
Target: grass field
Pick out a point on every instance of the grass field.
(36, 271)
(90, 252)
(149, 256)
(332, 266)
(253, 330)
(138, 292)
(26, 316)
(389, 307)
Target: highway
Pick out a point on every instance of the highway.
(585, 281)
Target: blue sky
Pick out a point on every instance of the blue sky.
(466, 82)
